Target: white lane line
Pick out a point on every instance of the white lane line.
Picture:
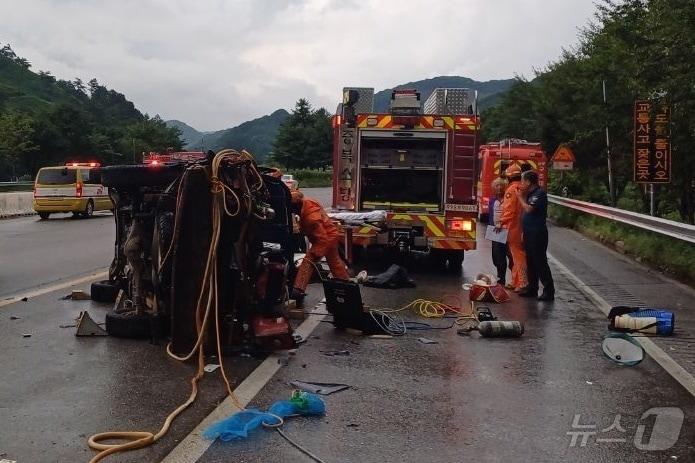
(662, 358)
(194, 445)
(49, 289)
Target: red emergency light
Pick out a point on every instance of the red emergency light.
(460, 225)
(83, 164)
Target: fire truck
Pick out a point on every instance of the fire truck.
(495, 157)
(155, 158)
(406, 179)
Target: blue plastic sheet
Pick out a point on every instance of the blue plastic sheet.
(240, 424)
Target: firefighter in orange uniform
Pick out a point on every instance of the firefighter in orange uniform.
(323, 236)
(511, 220)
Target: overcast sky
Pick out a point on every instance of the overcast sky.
(216, 63)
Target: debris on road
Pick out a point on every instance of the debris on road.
(26, 335)
(88, 327)
(427, 341)
(13, 317)
(334, 353)
(319, 388)
(77, 295)
(240, 424)
(210, 367)
(485, 288)
(501, 329)
(24, 299)
(623, 349)
(638, 319)
(393, 278)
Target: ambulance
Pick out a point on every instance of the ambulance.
(495, 157)
(70, 188)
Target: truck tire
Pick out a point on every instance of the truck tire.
(128, 325)
(454, 262)
(44, 215)
(105, 291)
(125, 177)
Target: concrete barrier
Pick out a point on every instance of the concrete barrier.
(19, 203)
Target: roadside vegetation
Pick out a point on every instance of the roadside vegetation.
(668, 255)
(312, 178)
(642, 49)
(48, 121)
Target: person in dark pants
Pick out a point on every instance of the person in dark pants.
(500, 252)
(534, 202)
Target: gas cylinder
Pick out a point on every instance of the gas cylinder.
(501, 329)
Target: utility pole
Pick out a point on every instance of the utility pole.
(611, 187)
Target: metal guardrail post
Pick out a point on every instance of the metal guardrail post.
(678, 230)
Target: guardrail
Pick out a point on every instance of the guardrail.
(678, 230)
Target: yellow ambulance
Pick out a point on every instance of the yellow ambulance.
(70, 188)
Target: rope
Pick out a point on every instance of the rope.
(299, 447)
(139, 439)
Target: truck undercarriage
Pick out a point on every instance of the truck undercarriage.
(197, 237)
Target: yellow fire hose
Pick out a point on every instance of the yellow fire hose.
(139, 439)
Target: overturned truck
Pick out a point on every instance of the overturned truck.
(202, 254)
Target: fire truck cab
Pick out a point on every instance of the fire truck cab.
(408, 176)
(495, 157)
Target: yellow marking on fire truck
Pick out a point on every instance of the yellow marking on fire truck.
(432, 227)
(385, 121)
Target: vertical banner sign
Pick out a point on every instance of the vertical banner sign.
(642, 142)
(662, 144)
(346, 173)
(652, 142)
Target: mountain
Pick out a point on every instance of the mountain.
(488, 92)
(48, 121)
(256, 136)
(188, 134)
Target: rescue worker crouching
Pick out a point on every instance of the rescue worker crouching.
(323, 236)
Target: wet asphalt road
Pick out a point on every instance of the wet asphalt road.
(473, 399)
(464, 399)
(37, 252)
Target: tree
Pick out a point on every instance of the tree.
(304, 140)
(149, 134)
(16, 133)
(641, 49)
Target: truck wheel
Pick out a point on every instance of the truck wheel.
(128, 325)
(454, 262)
(125, 177)
(44, 215)
(437, 259)
(105, 291)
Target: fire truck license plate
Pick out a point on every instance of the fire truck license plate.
(461, 207)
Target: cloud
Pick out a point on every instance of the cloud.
(216, 63)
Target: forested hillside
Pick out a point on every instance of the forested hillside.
(642, 49)
(47, 121)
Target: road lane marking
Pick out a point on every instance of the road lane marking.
(194, 445)
(55, 287)
(662, 358)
